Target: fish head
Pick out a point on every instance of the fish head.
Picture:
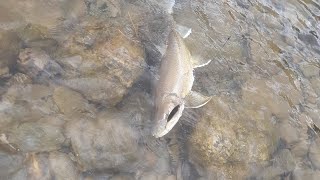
(167, 114)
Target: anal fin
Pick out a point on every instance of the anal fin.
(196, 100)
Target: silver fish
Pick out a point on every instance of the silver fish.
(173, 91)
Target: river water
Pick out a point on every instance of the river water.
(77, 82)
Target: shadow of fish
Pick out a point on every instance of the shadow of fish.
(173, 90)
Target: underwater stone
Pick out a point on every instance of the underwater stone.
(36, 137)
(224, 134)
(9, 163)
(104, 143)
(62, 167)
(107, 70)
(70, 102)
(309, 70)
(314, 153)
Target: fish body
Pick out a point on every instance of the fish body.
(174, 85)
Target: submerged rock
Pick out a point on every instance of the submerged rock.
(228, 139)
(71, 103)
(284, 160)
(36, 99)
(122, 177)
(36, 137)
(9, 163)
(314, 153)
(105, 72)
(301, 174)
(19, 78)
(310, 70)
(38, 64)
(53, 165)
(106, 143)
(62, 167)
(46, 13)
(108, 8)
(9, 50)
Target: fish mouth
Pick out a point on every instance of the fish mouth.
(166, 127)
(159, 133)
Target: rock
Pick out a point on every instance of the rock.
(37, 64)
(309, 70)
(21, 174)
(19, 78)
(9, 163)
(285, 161)
(122, 177)
(108, 8)
(231, 134)
(270, 173)
(9, 49)
(71, 103)
(97, 89)
(36, 98)
(288, 133)
(147, 176)
(267, 95)
(62, 167)
(314, 153)
(37, 36)
(36, 137)
(48, 14)
(107, 70)
(315, 84)
(38, 166)
(45, 166)
(301, 174)
(4, 71)
(26, 102)
(106, 143)
(301, 148)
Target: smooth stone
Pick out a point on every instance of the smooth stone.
(36, 137)
(9, 163)
(314, 153)
(302, 174)
(62, 167)
(315, 84)
(104, 143)
(309, 70)
(70, 102)
(285, 160)
(288, 133)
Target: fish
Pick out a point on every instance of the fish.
(173, 91)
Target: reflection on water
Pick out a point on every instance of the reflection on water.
(77, 83)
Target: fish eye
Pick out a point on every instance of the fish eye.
(173, 112)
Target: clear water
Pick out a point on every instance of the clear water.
(77, 79)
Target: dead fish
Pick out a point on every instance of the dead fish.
(173, 90)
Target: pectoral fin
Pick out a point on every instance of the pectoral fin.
(198, 62)
(196, 100)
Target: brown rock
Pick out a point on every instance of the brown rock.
(71, 103)
(106, 143)
(227, 134)
(9, 163)
(107, 70)
(36, 137)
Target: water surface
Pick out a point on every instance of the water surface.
(77, 82)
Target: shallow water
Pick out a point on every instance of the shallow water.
(77, 82)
